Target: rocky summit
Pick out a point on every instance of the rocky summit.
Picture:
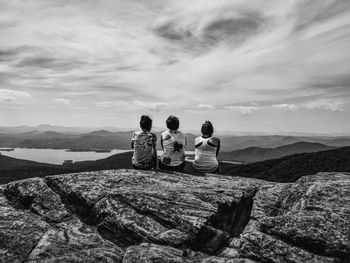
(138, 216)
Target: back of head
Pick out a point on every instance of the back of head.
(207, 128)
(146, 123)
(172, 123)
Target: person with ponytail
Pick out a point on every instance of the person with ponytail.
(207, 148)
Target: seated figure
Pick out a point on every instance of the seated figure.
(144, 145)
(207, 148)
(173, 144)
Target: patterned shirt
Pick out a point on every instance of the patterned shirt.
(144, 144)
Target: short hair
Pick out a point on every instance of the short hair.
(207, 128)
(172, 123)
(146, 123)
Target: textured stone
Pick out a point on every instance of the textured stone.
(73, 241)
(20, 231)
(229, 252)
(305, 221)
(316, 215)
(266, 248)
(34, 194)
(149, 253)
(226, 260)
(142, 216)
(66, 240)
(130, 207)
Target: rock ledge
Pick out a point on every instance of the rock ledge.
(138, 216)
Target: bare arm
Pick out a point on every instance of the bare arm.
(132, 145)
(218, 149)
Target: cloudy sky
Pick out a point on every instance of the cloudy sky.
(257, 65)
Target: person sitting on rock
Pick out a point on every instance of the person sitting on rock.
(207, 148)
(173, 143)
(144, 145)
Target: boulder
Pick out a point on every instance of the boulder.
(20, 231)
(130, 207)
(307, 221)
(145, 216)
(34, 194)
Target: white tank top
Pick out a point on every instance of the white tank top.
(205, 156)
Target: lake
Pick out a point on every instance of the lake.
(57, 156)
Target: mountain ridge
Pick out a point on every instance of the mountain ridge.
(256, 154)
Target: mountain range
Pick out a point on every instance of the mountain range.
(257, 154)
(105, 139)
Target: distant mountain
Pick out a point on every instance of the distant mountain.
(56, 128)
(108, 139)
(256, 154)
(291, 168)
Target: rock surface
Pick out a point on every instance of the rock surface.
(139, 216)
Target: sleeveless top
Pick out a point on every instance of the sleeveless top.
(205, 156)
(144, 143)
(174, 144)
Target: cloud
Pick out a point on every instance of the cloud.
(205, 106)
(224, 52)
(104, 104)
(63, 101)
(156, 106)
(244, 110)
(289, 107)
(333, 105)
(12, 95)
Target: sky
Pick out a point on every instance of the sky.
(245, 65)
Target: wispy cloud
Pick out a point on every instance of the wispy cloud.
(242, 109)
(285, 106)
(205, 106)
(63, 101)
(12, 95)
(104, 104)
(155, 106)
(203, 55)
(325, 104)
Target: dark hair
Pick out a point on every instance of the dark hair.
(207, 128)
(172, 123)
(146, 123)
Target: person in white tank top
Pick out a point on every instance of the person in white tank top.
(207, 148)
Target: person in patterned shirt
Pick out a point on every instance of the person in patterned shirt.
(144, 145)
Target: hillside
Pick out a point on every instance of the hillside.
(286, 169)
(12, 169)
(291, 168)
(130, 216)
(257, 154)
(13, 163)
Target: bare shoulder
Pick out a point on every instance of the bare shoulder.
(197, 140)
(215, 141)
